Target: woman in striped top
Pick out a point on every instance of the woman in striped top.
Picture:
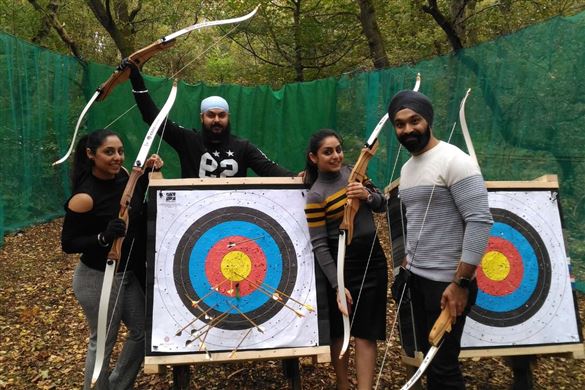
(366, 273)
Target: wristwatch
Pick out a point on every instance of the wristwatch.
(462, 282)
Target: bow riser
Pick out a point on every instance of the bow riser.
(441, 326)
(139, 58)
(358, 174)
(115, 253)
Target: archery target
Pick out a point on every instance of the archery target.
(524, 293)
(234, 269)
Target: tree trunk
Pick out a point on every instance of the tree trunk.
(120, 28)
(447, 25)
(298, 59)
(372, 33)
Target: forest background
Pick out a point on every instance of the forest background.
(297, 42)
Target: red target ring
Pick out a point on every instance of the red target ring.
(235, 265)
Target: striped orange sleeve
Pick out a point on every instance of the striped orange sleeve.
(315, 214)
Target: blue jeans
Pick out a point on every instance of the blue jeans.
(129, 309)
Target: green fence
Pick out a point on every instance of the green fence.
(525, 114)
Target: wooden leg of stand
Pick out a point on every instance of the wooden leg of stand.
(181, 377)
(291, 371)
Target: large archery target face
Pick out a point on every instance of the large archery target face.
(221, 257)
(524, 287)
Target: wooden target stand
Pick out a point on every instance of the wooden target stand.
(157, 362)
(570, 347)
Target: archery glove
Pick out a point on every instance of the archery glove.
(116, 228)
(398, 288)
(135, 76)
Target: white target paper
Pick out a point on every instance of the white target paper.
(526, 296)
(258, 289)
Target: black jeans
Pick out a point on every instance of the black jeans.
(444, 371)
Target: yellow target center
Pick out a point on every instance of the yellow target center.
(495, 265)
(236, 266)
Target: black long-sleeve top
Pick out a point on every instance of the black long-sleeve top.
(230, 158)
(80, 230)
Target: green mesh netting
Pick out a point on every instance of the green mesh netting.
(524, 114)
(39, 97)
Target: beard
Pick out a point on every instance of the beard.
(215, 134)
(415, 142)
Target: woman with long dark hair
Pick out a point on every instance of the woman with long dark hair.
(90, 227)
(366, 272)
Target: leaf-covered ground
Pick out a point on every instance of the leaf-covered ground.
(43, 336)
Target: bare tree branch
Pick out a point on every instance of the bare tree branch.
(52, 20)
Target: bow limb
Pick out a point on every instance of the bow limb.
(341, 298)
(465, 129)
(115, 253)
(83, 112)
(441, 326)
(140, 57)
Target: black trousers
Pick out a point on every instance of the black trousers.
(444, 371)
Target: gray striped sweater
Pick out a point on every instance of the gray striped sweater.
(324, 211)
(446, 185)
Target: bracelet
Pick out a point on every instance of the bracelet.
(101, 241)
(144, 91)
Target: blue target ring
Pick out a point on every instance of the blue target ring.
(529, 281)
(203, 246)
(527, 298)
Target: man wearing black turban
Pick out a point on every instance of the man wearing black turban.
(413, 107)
(447, 223)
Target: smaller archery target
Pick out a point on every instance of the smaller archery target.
(524, 290)
(236, 266)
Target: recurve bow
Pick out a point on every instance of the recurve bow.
(140, 57)
(358, 174)
(116, 250)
